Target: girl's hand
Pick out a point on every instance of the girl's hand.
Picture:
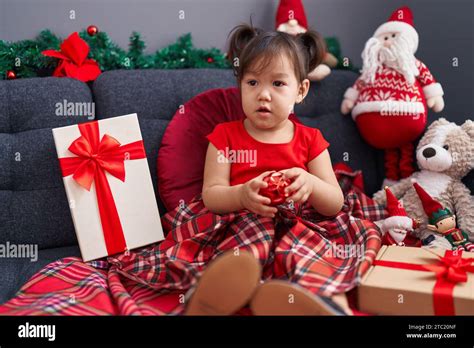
(251, 200)
(302, 185)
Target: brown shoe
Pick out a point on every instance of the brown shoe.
(278, 297)
(226, 285)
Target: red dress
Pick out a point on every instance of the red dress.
(250, 157)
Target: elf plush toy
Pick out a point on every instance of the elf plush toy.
(443, 221)
(291, 19)
(389, 99)
(396, 227)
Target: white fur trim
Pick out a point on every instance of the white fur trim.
(351, 94)
(390, 107)
(399, 27)
(433, 90)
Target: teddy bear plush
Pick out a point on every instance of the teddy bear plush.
(445, 154)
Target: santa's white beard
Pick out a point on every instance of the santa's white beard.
(397, 237)
(397, 57)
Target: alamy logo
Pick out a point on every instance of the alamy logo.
(237, 156)
(37, 331)
(66, 108)
(21, 251)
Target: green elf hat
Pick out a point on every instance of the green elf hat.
(432, 207)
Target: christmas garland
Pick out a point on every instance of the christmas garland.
(25, 59)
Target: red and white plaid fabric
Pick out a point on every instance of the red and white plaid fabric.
(324, 255)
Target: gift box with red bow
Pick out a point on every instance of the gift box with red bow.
(418, 281)
(108, 186)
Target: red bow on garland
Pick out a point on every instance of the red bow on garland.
(73, 63)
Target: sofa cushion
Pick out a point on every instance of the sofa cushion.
(16, 272)
(183, 147)
(33, 203)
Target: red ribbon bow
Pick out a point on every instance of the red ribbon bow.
(450, 270)
(73, 54)
(94, 158)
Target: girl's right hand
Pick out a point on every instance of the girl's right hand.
(251, 200)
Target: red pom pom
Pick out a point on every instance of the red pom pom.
(210, 60)
(11, 75)
(276, 188)
(92, 30)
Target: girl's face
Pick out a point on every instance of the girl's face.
(268, 97)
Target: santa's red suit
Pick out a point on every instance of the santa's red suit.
(389, 104)
(388, 240)
(389, 110)
(409, 240)
(397, 220)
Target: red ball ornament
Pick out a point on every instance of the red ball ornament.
(92, 30)
(210, 60)
(276, 188)
(11, 75)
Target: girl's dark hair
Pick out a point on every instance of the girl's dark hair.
(248, 45)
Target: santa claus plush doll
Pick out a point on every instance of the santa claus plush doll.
(291, 19)
(389, 99)
(397, 227)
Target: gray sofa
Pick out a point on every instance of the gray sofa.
(33, 204)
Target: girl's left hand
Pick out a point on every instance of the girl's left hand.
(302, 185)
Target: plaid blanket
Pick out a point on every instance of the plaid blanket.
(324, 255)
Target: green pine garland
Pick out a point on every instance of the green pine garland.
(25, 58)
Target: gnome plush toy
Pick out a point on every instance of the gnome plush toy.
(443, 221)
(388, 101)
(291, 19)
(396, 227)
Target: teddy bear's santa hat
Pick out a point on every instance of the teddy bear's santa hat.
(291, 9)
(401, 21)
(398, 215)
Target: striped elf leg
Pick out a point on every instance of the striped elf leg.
(468, 246)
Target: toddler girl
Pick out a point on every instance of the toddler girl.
(271, 70)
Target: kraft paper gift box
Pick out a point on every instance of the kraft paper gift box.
(417, 281)
(108, 186)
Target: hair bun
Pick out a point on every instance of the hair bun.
(240, 36)
(314, 46)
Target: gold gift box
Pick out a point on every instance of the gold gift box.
(394, 291)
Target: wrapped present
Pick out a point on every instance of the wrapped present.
(108, 185)
(418, 281)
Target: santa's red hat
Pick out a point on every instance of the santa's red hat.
(397, 212)
(401, 21)
(291, 9)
